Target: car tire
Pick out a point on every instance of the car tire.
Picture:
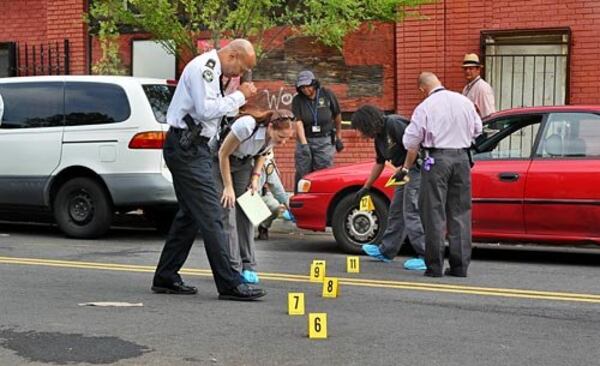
(353, 228)
(82, 208)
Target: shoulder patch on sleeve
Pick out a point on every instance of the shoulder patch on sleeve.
(211, 63)
(208, 75)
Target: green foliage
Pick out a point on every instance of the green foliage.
(329, 21)
(110, 62)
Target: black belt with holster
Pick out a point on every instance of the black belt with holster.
(191, 135)
(430, 150)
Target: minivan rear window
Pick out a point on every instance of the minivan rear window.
(159, 96)
(95, 103)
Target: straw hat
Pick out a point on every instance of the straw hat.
(471, 60)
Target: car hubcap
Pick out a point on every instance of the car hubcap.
(362, 226)
(81, 207)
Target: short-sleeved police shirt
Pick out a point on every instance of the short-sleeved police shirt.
(198, 94)
(250, 144)
(388, 143)
(325, 108)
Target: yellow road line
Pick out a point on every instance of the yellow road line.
(285, 277)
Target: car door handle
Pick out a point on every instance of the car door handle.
(508, 176)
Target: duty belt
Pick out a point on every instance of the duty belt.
(435, 149)
(320, 134)
(178, 131)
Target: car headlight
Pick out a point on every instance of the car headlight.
(303, 186)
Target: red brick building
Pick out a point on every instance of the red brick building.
(535, 52)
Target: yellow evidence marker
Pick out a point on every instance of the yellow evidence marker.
(295, 303)
(317, 271)
(352, 264)
(330, 287)
(317, 325)
(366, 204)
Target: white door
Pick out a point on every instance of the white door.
(30, 140)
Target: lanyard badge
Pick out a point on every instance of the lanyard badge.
(315, 113)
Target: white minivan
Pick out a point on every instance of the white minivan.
(83, 148)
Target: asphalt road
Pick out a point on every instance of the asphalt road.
(519, 306)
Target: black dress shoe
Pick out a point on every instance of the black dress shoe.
(242, 292)
(451, 272)
(177, 288)
(430, 273)
(263, 233)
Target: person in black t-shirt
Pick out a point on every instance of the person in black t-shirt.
(318, 127)
(403, 217)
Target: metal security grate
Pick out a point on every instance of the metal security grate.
(527, 80)
(43, 59)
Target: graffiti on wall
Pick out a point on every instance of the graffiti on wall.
(278, 99)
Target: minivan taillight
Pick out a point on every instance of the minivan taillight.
(148, 140)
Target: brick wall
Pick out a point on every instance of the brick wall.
(42, 22)
(65, 20)
(23, 21)
(452, 28)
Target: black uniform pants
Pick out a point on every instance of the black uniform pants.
(199, 209)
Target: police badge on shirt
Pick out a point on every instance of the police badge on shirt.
(208, 74)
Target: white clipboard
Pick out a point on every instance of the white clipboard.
(254, 207)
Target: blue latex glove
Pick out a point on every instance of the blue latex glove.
(287, 215)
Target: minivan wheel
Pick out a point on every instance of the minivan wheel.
(82, 209)
(352, 228)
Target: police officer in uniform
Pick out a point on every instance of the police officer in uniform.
(444, 125)
(403, 217)
(319, 127)
(193, 115)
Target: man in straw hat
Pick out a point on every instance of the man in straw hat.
(477, 89)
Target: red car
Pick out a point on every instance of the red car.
(536, 179)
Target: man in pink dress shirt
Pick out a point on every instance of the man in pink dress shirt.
(477, 89)
(444, 126)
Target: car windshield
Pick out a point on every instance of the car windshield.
(160, 96)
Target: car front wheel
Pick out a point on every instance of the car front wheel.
(82, 208)
(352, 228)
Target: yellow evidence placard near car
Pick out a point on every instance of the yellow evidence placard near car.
(353, 264)
(317, 271)
(330, 287)
(317, 325)
(296, 303)
(366, 204)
